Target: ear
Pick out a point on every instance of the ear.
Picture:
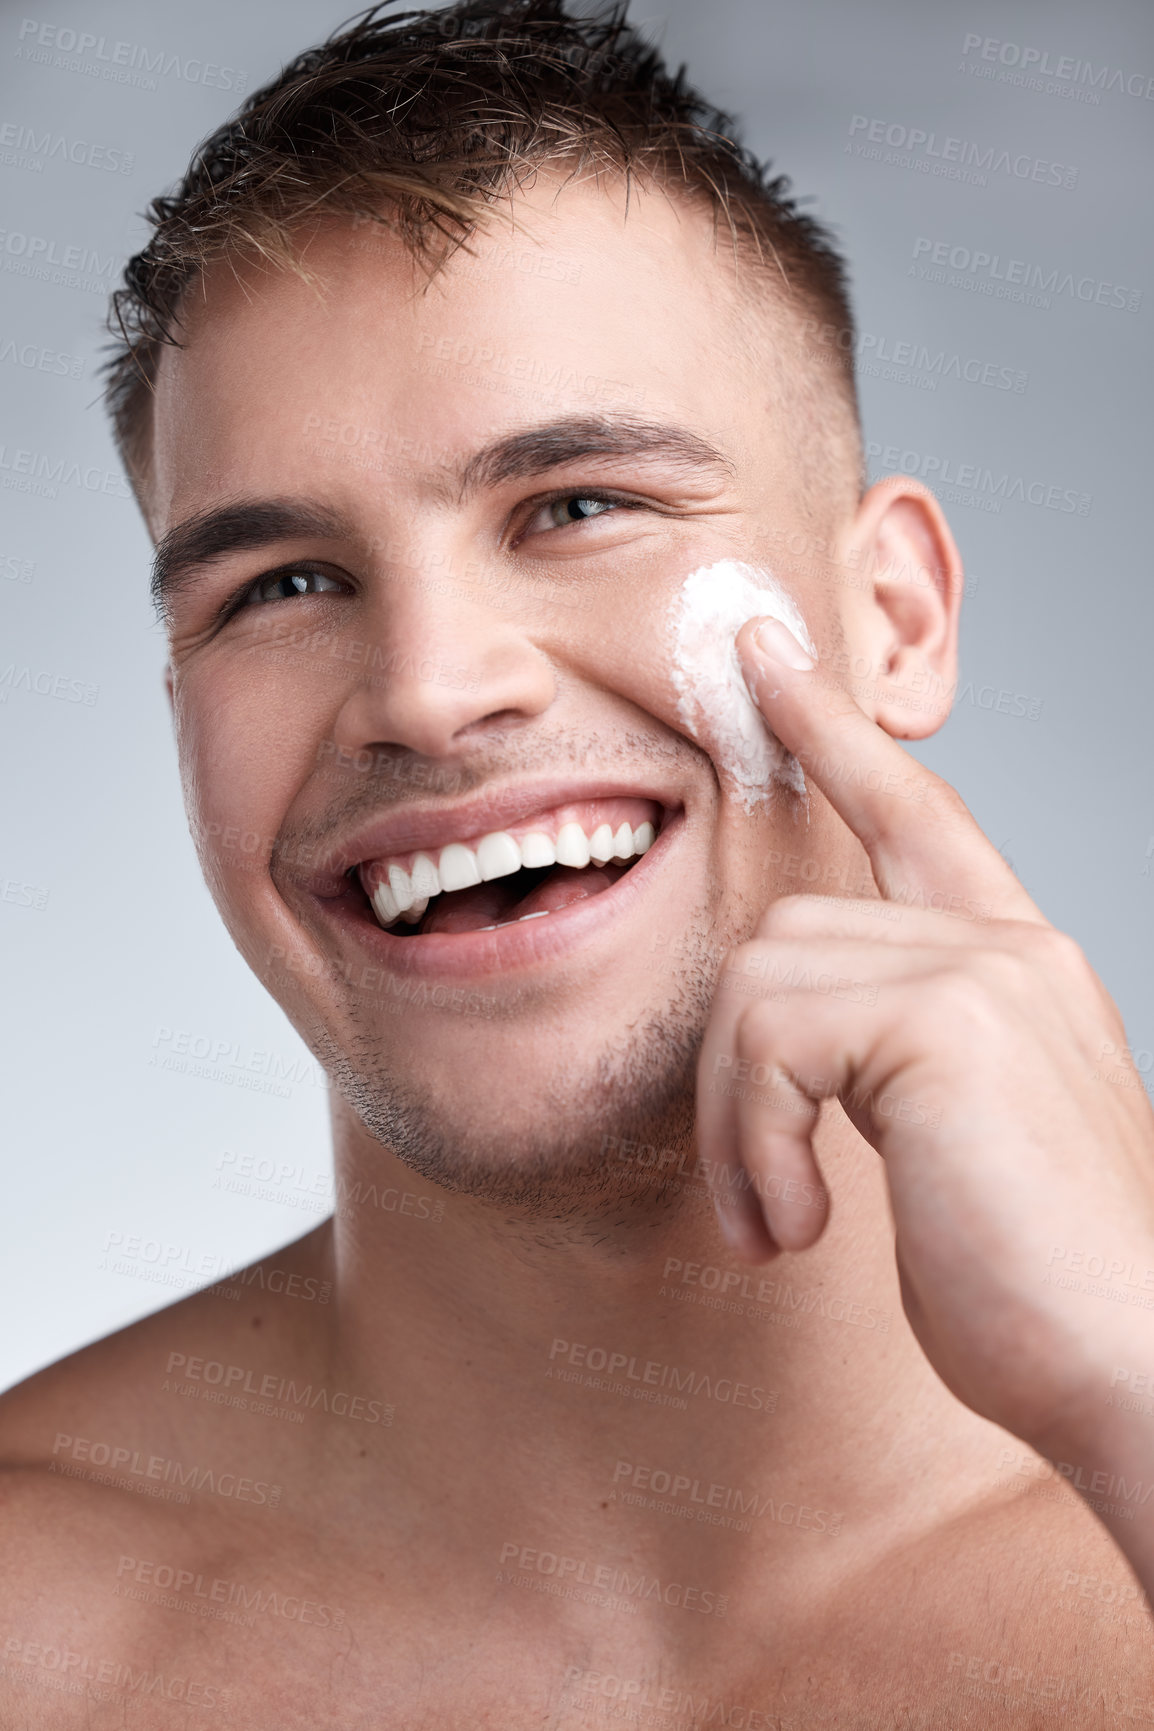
(904, 625)
(168, 684)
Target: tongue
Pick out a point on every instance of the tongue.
(496, 902)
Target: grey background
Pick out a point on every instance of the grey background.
(117, 968)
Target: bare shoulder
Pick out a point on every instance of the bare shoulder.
(122, 1488)
(74, 1647)
(125, 1611)
(275, 1309)
(1022, 1609)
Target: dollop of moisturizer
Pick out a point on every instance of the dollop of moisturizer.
(713, 699)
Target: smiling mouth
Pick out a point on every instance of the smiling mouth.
(537, 867)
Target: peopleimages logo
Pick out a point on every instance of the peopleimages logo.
(35, 358)
(972, 483)
(632, 1696)
(1014, 279)
(237, 1380)
(655, 1375)
(904, 360)
(895, 144)
(192, 1590)
(47, 260)
(70, 50)
(43, 472)
(158, 1471)
(24, 147)
(711, 1503)
(99, 1678)
(608, 1578)
(1036, 64)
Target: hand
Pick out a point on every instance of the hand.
(970, 1043)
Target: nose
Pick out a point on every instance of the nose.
(437, 666)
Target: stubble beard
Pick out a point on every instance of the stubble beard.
(614, 1137)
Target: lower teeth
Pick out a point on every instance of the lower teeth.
(539, 915)
(412, 920)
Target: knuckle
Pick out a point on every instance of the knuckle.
(1047, 948)
(946, 799)
(1067, 954)
(967, 997)
(941, 799)
(756, 1030)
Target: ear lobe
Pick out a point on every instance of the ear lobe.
(911, 602)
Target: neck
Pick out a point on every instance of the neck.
(564, 1388)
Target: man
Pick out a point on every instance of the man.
(462, 550)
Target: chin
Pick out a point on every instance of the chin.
(547, 1143)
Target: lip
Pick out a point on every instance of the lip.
(412, 831)
(520, 945)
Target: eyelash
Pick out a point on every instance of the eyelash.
(247, 596)
(594, 494)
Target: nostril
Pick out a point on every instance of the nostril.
(498, 718)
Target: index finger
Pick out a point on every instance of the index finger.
(917, 830)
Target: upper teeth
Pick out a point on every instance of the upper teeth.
(498, 855)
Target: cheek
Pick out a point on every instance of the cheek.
(670, 645)
(245, 744)
(714, 702)
(609, 632)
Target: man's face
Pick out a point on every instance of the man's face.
(444, 653)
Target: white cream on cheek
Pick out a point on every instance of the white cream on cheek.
(714, 703)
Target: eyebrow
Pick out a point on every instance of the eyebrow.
(245, 525)
(241, 527)
(519, 456)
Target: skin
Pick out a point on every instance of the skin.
(964, 1044)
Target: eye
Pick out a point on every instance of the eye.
(283, 585)
(568, 508)
(574, 507)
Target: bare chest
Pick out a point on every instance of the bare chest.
(1008, 1623)
(263, 1659)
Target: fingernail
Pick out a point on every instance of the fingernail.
(778, 643)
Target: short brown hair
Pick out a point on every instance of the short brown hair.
(423, 122)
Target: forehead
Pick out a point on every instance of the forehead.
(573, 300)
